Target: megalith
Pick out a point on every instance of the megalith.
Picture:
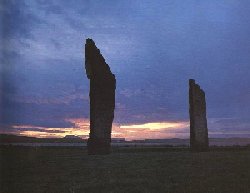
(102, 99)
(198, 119)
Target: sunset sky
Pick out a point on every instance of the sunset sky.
(153, 48)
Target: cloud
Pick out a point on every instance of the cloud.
(65, 99)
(17, 19)
(229, 125)
(157, 125)
(153, 130)
(79, 127)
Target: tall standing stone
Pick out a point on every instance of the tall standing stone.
(102, 99)
(198, 119)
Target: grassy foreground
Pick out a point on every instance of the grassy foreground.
(168, 170)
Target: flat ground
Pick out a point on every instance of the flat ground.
(59, 170)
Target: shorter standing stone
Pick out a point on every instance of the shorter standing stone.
(198, 119)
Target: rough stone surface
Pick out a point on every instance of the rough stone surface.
(198, 119)
(102, 99)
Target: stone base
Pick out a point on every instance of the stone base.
(199, 148)
(98, 146)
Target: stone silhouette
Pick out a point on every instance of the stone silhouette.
(102, 99)
(198, 119)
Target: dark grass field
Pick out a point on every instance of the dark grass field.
(168, 170)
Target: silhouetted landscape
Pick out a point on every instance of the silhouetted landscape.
(6, 139)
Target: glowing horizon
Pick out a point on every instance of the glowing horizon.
(150, 130)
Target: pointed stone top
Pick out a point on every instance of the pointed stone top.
(95, 64)
(192, 84)
(90, 41)
(191, 80)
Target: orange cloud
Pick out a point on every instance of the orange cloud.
(152, 130)
(81, 129)
(157, 125)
